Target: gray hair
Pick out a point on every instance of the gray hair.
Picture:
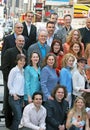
(42, 30)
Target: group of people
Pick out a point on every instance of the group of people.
(46, 73)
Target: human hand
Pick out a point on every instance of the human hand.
(41, 129)
(77, 124)
(50, 98)
(29, 100)
(61, 127)
(16, 97)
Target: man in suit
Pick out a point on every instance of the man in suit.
(9, 41)
(9, 61)
(62, 33)
(85, 32)
(40, 47)
(29, 29)
(50, 26)
(57, 109)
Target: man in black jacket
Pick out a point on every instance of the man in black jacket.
(29, 29)
(85, 33)
(57, 109)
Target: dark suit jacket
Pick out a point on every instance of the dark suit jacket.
(56, 114)
(9, 60)
(33, 33)
(9, 42)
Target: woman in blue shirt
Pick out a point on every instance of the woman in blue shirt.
(32, 77)
(66, 76)
(48, 76)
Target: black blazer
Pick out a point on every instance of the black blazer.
(9, 60)
(33, 33)
(9, 42)
(56, 114)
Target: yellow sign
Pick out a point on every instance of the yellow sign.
(81, 10)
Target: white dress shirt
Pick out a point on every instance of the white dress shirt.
(32, 118)
(16, 81)
(28, 28)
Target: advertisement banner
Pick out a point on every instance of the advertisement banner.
(81, 10)
(56, 2)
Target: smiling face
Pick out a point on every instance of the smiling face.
(81, 65)
(21, 62)
(50, 61)
(35, 59)
(70, 62)
(75, 36)
(76, 48)
(29, 17)
(67, 21)
(79, 104)
(37, 100)
(42, 37)
(50, 28)
(59, 94)
(56, 47)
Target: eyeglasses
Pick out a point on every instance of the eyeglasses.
(19, 27)
(30, 16)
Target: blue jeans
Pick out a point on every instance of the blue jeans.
(16, 106)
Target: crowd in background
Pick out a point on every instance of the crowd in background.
(46, 72)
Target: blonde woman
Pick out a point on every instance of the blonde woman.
(66, 76)
(77, 117)
(74, 36)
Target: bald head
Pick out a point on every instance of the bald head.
(88, 23)
(20, 41)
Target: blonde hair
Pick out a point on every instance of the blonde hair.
(74, 109)
(86, 50)
(70, 36)
(66, 58)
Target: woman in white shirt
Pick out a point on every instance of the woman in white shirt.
(79, 77)
(16, 90)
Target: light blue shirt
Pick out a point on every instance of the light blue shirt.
(48, 79)
(32, 83)
(66, 78)
(16, 81)
(42, 49)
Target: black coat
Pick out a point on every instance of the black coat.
(9, 60)
(9, 42)
(33, 33)
(56, 114)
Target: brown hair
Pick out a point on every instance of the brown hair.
(56, 88)
(71, 49)
(46, 58)
(29, 12)
(87, 50)
(53, 43)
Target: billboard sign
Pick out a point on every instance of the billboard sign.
(81, 10)
(56, 2)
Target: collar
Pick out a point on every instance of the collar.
(15, 35)
(87, 28)
(28, 24)
(40, 45)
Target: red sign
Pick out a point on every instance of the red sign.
(38, 5)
